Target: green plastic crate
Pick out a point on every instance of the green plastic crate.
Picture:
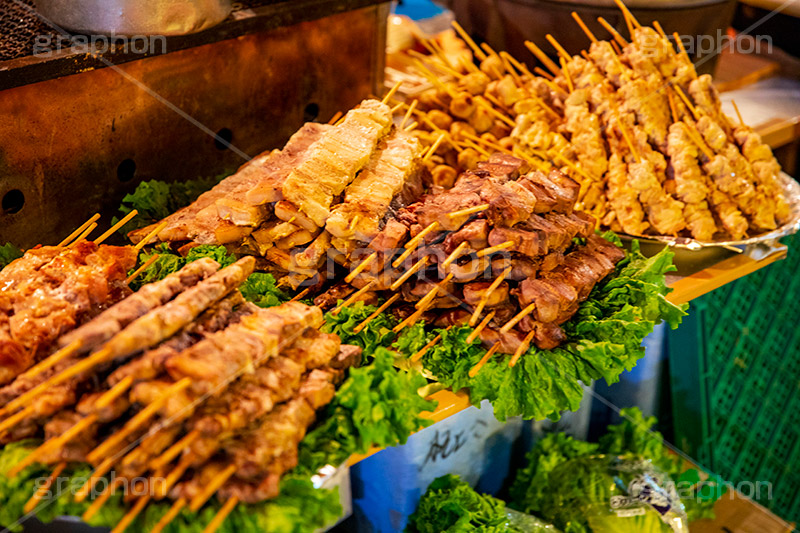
(735, 380)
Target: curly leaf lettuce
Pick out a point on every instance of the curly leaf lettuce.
(376, 406)
(156, 199)
(605, 337)
(542, 488)
(260, 288)
(378, 333)
(451, 505)
(8, 253)
(299, 507)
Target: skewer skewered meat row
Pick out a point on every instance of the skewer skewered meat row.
(593, 93)
(516, 225)
(51, 290)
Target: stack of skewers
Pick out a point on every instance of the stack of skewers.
(503, 250)
(182, 384)
(630, 121)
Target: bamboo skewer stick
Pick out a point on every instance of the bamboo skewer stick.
(686, 101)
(408, 113)
(300, 295)
(85, 233)
(53, 444)
(679, 44)
(673, 110)
(617, 37)
(396, 108)
(42, 491)
(467, 39)
(335, 118)
(496, 248)
(485, 359)
(137, 421)
(412, 126)
(567, 77)
(617, 50)
(98, 503)
(141, 244)
(361, 266)
(517, 64)
(131, 515)
(417, 356)
(487, 294)
(391, 92)
(377, 312)
(434, 147)
(738, 114)
(488, 144)
(698, 140)
(124, 220)
(79, 230)
(67, 351)
(519, 316)
(543, 58)
(411, 319)
(477, 331)
(469, 211)
(628, 15)
(584, 27)
(221, 515)
(170, 515)
(213, 486)
(136, 273)
(543, 73)
(455, 254)
(477, 148)
(419, 265)
(114, 392)
(83, 365)
(628, 140)
(353, 297)
(426, 300)
(521, 349)
(101, 470)
(485, 103)
(560, 49)
(176, 473)
(174, 451)
(414, 242)
(468, 65)
(16, 418)
(660, 31)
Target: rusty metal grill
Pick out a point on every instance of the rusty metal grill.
(19, 26)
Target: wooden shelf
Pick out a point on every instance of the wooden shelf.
(686, 287)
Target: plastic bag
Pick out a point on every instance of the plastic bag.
(619, 495)
(528, 523)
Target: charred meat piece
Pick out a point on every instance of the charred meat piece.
(525, 242)
(473, 292)
(475, 233)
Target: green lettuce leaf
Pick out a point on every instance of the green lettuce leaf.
(299, 507)
(376, 334)
(377, 405)
(541, 488)
(451, 505)
(604, 340)
(155, 199)
(260, 288)
(8, 253)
